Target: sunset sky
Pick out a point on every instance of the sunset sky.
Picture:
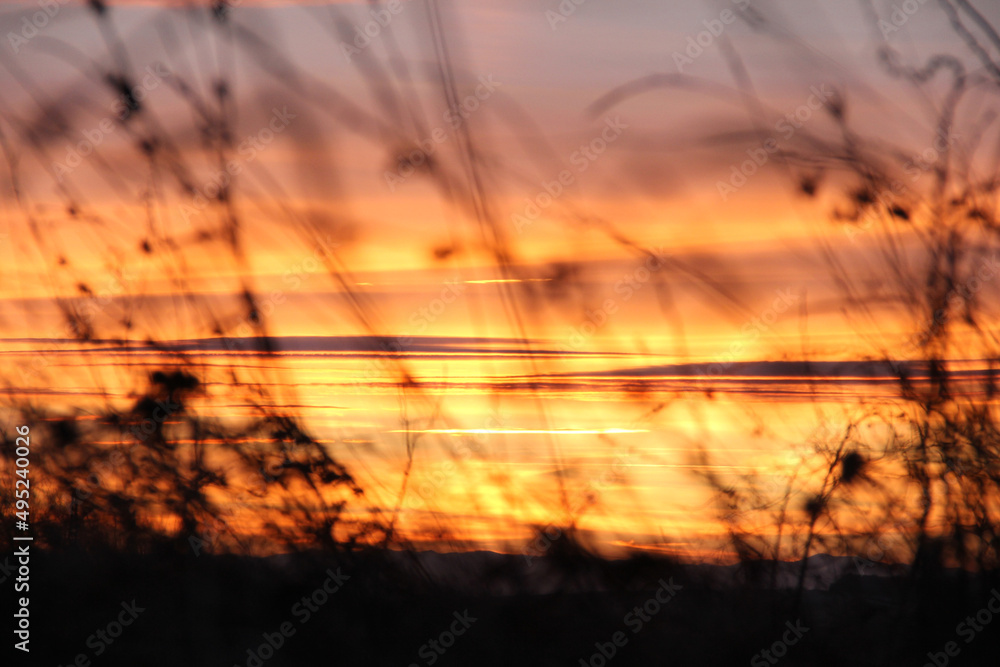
(634, 263)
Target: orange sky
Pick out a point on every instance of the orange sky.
(572, 194)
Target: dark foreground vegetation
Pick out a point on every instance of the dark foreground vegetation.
(485, 609)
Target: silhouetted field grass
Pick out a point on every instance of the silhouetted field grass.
(148, 491)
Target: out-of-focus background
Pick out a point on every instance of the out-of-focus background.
(527, 289)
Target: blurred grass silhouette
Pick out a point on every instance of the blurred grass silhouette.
(151, 472)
